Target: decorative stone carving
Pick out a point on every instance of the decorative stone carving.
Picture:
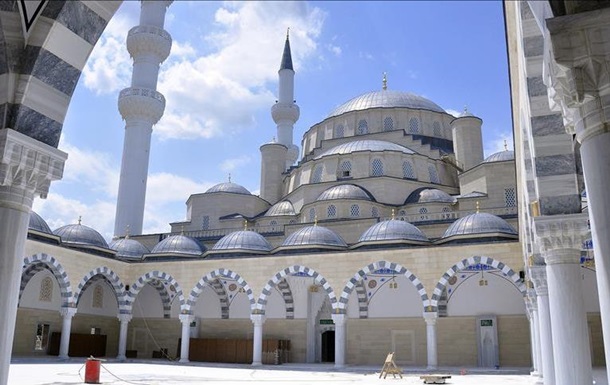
(285, 112)
(149, 40)
(141, 103)
(538, 274)
(561, 232)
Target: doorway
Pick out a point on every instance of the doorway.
(328, 346)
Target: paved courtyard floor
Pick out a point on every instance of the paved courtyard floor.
(53, 372)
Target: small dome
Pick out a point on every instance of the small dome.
(38, 224)
(345, 191)
(128, 248)
(314, 236)
(500, 156)
(386, 99)
(178, 244)
(429, 195)
(81, 234)
(228, 187)
(393, 230)
(364, 145)
(281, 208)
(479, 223)
(243, 240)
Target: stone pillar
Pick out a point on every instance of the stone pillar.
(186, 320)
(257, 345)
(124, 322)
(64, 345)
(532, 307)
(340, 339)
(431, 318)
(579, 83)
(27, 168)
(547, 360)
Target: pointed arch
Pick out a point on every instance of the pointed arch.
(39, 262)
(219, 288)
(473, 261)
(400, 270)
(208, 279)
(296, 269)
(156, 279)
(363, 303)
(284, 288)
(106, 273)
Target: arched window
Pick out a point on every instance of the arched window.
(407, 170)
(414, 126)
(354, 211)
(363, 127)
(312, 214)
(331, 211)
(98, 297)
(436, 129)
(402, 213)
(509, 197)
(273, 223)
(46, 290)
(376, 167)
(433, 174)
(423, 210)
(375, 212)
(339, 131)
(316, 177)
(205, 223)
(388, 124)
(345, 170)
(446, 210)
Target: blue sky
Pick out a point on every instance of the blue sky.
(221, 81)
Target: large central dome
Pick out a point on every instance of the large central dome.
(386, 99)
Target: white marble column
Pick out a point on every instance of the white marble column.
(27, 168)
(340, 339)
(257, 345)
(532, 305)
(124, 323)
(431, 344)
(547, 361)
(186, 320)
(67, 313)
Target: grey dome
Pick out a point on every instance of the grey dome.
(386, 99)
(128, 248)
(364, 145)
(314, 235)
(38, 224)
(500, 156)
(178, 244)
(344, 191)
(243, 240)
(281, 208)
(479, 223)
(80, 234)
(393, 230)
(429, 195)
(228, 187)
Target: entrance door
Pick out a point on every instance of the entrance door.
(328, 346)
(487, 341)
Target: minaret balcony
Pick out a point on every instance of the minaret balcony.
(141, 103)
(149, 40)
(281, 112)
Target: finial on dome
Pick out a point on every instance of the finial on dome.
(393, 214)
(505, 145)
(245, 225)
(385, 81)
(465, 109)
(80, 218)
(127, 232)
(315, 220)
(273, 140)
(182, 230)
(478, 207)
(287, 33)
(229, 177)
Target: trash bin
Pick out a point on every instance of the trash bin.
(92, 371)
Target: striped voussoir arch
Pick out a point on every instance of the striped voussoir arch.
(284, 288)
(363, 301)
(39, 262)
(154, 278)
(220, 291)
(273, 282)
(442, 283)
(208, 279)
(165, 298)
(400, 270)
(106, 273)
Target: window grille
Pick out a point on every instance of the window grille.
(98, 297)
(317, 174)
(436, 129)
(407, 170)
(312, 214)
(273, 223)
(433, 174)
(46, 290)
(331, 212)
(205, 223)
(354, 211)
(363, 127)
(423, 210)
(414, 126)
(510, 197)
(375, 212)
(388, 124)
(345, 169)
(339, 131)
(377, 167)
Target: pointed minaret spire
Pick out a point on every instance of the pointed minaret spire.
(287, 56)
(385, 81)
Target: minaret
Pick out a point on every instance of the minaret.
(467, 140)
(285, 112)
(141, 106)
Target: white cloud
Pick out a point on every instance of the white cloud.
(336, 50)
(229, 165)
(453, 112)
(365, 55)
(501, 142)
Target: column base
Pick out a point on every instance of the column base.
(63, 358)
(432, 367)
(184, 360)
(534, 373)
(339, 366)
(121, 358)
(257, 364)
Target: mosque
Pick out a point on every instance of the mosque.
(388, 231)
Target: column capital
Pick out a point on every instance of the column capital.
(125, 317)
(339, 319)
(538, 274)
(28, 164)
(67, 312)
(430, 317)
(258, 319)
(186, 318)
(556, 232)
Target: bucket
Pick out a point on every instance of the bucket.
(92, 371)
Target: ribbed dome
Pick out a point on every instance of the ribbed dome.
(364, 145)
(314, 236)
(386, 99)
(344, 191)
(38, 224)
(280, 208)
(243, 240)
(228, 187)
(393, 230)
(80, 234)
(500, 156)
(429, 195)
(128, 248)
(479, 223)
(178, 244)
